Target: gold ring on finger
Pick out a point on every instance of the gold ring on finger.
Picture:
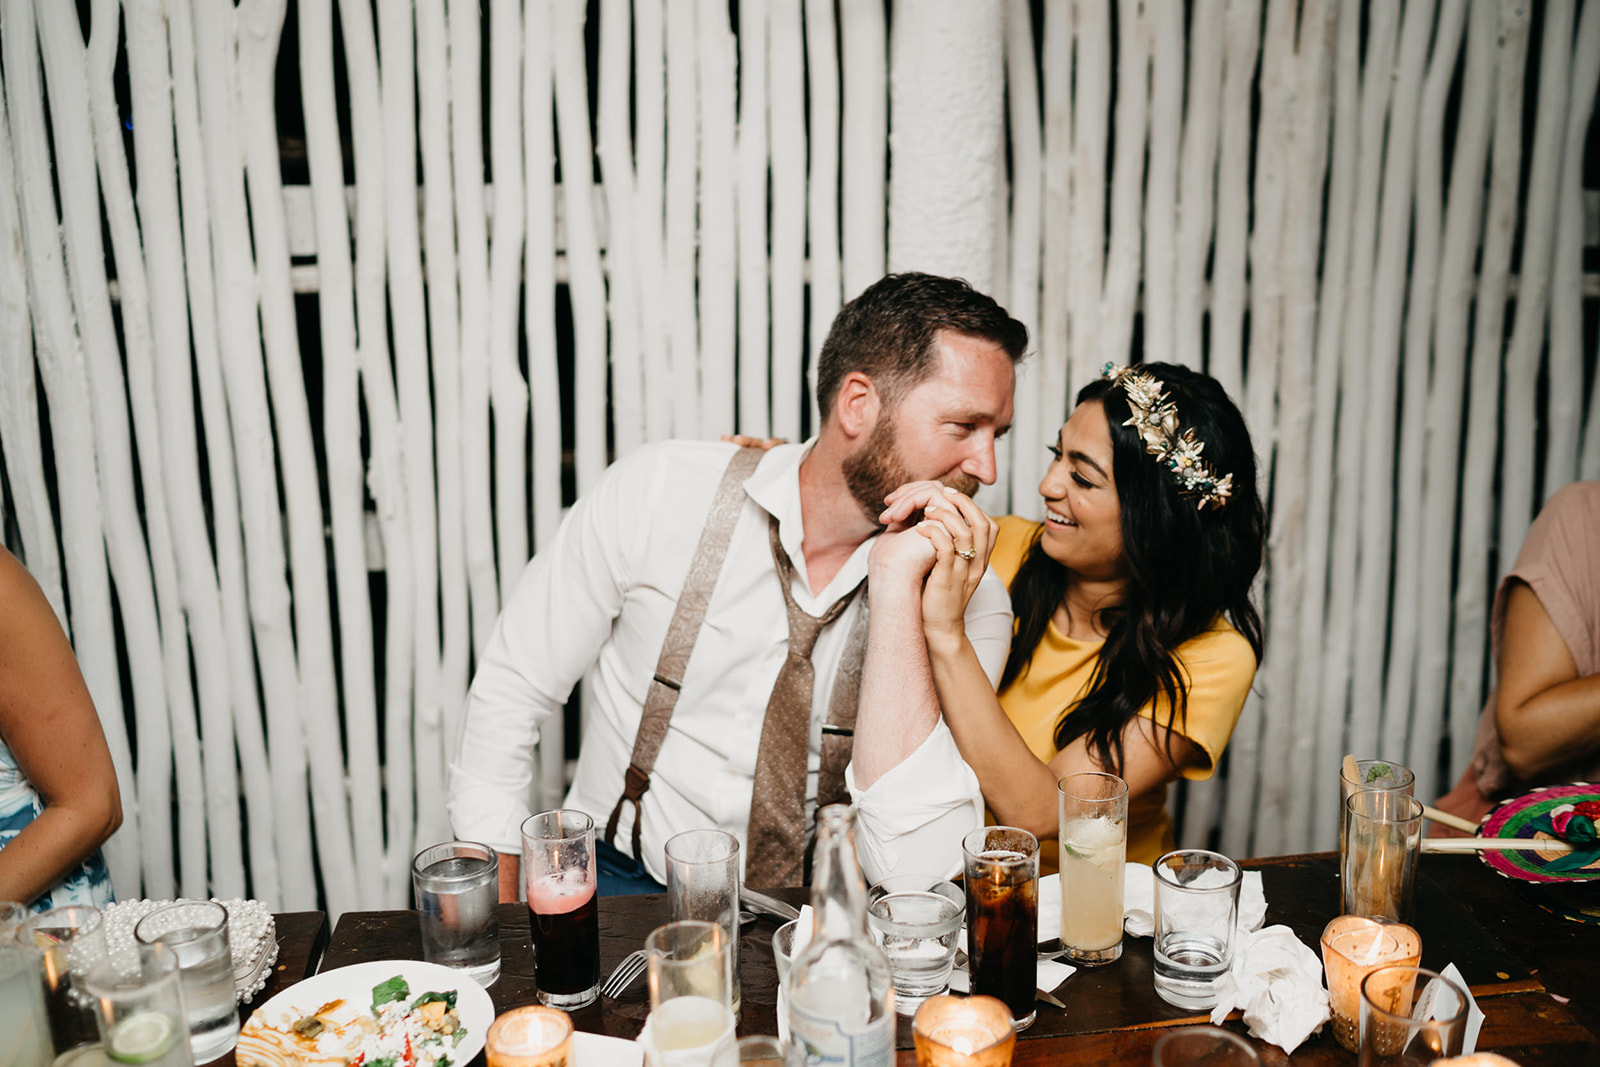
(967, 553)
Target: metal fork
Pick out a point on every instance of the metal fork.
(626, 973)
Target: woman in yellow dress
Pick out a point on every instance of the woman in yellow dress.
(1135, 641)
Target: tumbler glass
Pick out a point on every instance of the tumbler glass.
(70, 941)
(558, 875)
(24, 1024)
(457, 884)
(1002, 868)
(1410, 1017)
(691, 986)
(1212, 1046)
(1093, 809)
(197, 932)
(703, 877)
(140, 1009)
(916, 920)
(1378, 872)
(1196, 908)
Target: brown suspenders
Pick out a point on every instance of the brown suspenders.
(662, 697)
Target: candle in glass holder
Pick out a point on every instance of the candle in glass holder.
(1353, 946)
(534, 1036)
(963, 1032)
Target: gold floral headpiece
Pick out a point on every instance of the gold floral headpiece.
(1155, 420)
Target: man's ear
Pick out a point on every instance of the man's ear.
(857, 405)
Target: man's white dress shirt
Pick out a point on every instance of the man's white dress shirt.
(601, 597)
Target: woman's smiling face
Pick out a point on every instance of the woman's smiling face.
(1083, 515)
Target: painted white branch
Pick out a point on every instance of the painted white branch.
(822, 201)
(947, 79)
(1563, 416)
(1053, 340)
(1374, 569)
(508, 389)
(1226, 362)
(151, 77)
(1091, 96)
(1261, 743)
(583, 246)
(61, 43)
(1476, 575)
(1034, 414)
(1197, 170)
(435, 732)
(1337, 281)
(650, 155)
(250, 420)
(341, 423)
(616, 171)
(788, 217)
(1462, 225)
(1120, 295)
(61, 367)
(252, 748)
(1161, 197)
(20, 441)
(539, 288)
(683, 329)
(388, 475)
(755, 318)
(406, 306)
(1519, 494)
(140, 396)
(472, 243)
(1377, 79)
(718, 85)
(864, 48)
(1410, 546)
(260, 25)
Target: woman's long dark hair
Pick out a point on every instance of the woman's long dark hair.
(1185, 567)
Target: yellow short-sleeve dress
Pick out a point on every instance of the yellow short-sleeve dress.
(1218, 667)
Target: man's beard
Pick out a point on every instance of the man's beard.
(878, 470)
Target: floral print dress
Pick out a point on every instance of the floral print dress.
(87, 883)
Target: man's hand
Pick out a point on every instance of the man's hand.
(962, 536)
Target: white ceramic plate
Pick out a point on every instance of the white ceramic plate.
(593, 1050)
(354, 984)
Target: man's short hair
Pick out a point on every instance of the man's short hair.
(888, 333)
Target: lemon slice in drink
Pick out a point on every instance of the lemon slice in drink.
(141, 1038)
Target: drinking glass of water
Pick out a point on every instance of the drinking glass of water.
(703, 877)
(916, 919)
(458, 891)
(139, 1008)
(1196, 907)
(196, 932)
(70, 940)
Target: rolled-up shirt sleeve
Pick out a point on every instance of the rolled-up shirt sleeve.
(549, 632)
(912, 819)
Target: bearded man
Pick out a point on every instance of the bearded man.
(690, 580)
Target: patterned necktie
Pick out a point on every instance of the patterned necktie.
(778, 800)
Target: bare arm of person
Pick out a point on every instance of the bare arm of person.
(1547, 715)
(1018, 787)
(48, 721)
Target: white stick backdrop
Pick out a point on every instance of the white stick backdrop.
(300, 529)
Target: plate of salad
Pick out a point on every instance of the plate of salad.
(388, 1013)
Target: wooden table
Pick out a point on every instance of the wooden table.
(1523, 963)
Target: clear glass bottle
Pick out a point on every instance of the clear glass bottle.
(841, 995)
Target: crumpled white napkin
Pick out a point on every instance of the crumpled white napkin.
(1276, 982)
(1469, 1040)
(1138, 899)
